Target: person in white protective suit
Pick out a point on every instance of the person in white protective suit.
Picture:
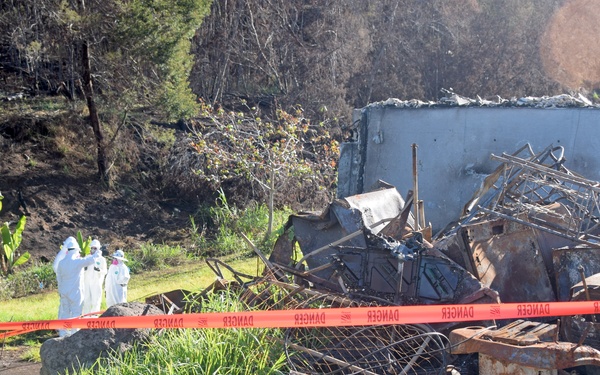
(70, 283)
(62, 253)
(117, 279)
(93, 280)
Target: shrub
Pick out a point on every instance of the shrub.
(5, 291)
(152, 256)
(30, 281)
(230, 222)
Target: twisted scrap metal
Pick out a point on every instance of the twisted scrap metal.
(529, 184)
(383, 349)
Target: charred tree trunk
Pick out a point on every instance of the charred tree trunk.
(94, 119)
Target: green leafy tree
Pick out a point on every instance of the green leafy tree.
(153, 40)
(273, 154)
(122, 55)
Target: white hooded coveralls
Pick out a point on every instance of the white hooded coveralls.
(70, 286)
(116, 283)
(62, 253)
(93, 279)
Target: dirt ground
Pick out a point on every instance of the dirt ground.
(11, 362)
(58, 202)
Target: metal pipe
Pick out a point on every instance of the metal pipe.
(416, 187)
(585, 288)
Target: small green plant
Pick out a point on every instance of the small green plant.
(83, 245)
(161, 135)
(31, 162)
(10, 244)
(33, 353)
(197, 235)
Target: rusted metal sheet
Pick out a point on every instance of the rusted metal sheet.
(491, 365)
(172, 302)
(566, 262)
(523, 332)
(579, 328)
(542, 355)
(505, 256)
(583, 328)
(553, 215)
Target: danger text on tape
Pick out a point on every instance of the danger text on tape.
(355, 316)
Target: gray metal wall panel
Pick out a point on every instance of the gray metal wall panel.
(454, 147)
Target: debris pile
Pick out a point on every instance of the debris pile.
(529, 234)
(452, 99)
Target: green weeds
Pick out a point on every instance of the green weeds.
(231, 222)
(32, 354)
(152, 256)
(202, 351)
(32, 280)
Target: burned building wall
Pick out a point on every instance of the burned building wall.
(454, 144)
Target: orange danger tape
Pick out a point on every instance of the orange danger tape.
(15, 333)
(354, 316)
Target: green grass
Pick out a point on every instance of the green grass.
(192, 276)
(35, 307)
(203, 351)
(32, 354)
